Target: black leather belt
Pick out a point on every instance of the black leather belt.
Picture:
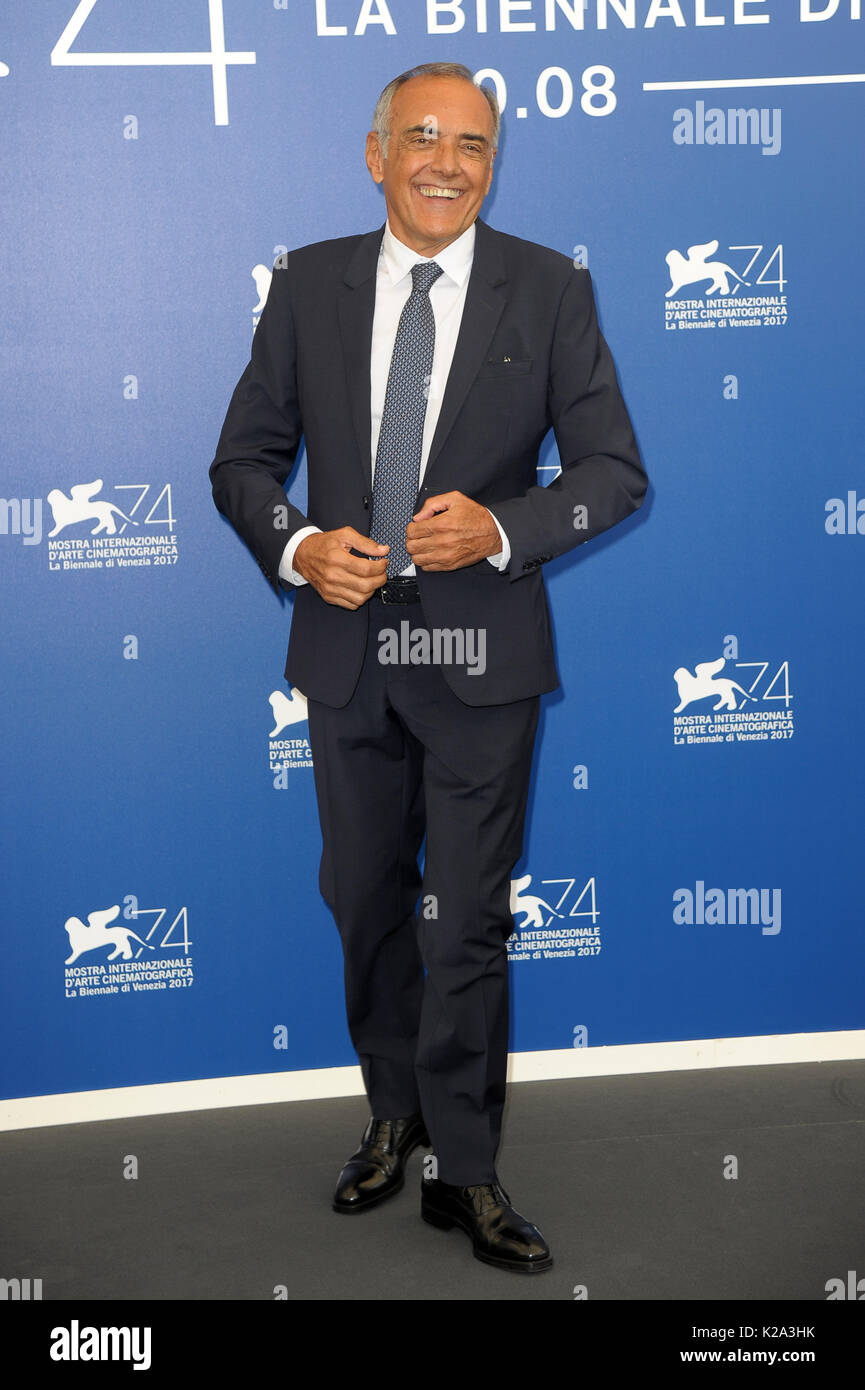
(402, 589)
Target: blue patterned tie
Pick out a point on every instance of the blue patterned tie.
(400, 440)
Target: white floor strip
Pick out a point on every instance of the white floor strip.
(78, 1107)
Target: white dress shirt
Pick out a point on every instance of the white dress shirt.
(447, 297)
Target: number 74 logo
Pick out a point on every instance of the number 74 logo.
(217, 59)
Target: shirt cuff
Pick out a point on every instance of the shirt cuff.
(503, 559)
(286, 570)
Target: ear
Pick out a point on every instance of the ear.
(374, 157)
(490, 179)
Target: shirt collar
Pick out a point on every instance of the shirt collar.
(455, 260)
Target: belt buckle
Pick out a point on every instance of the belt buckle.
(399, 590)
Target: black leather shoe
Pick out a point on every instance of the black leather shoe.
(377, 1169)
(500, 1236)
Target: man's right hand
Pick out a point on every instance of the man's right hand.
(325, 560)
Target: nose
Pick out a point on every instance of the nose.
(445, 160)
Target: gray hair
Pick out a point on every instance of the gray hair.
(381, 115)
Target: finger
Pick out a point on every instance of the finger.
(428, 556)
(358, 589)
(344, 563)
(433, 505)
(446, 523)
(346, 598)
(418, 532)
(350, 538)
(429, 542)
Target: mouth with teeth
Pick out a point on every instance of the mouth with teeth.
(432, 190)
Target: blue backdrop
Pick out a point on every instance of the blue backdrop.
(693, 857)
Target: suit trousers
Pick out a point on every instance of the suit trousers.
(426, 969)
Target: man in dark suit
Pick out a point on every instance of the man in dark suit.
(424, 363)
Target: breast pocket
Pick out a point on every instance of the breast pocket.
(507, 367)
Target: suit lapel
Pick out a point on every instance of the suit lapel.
(356, 307)
(485, 301)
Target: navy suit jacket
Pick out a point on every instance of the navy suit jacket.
(529, 357)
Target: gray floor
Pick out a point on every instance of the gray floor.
(624, 1175)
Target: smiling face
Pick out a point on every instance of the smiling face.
(439, 162)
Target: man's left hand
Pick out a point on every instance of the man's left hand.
(450, 532)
